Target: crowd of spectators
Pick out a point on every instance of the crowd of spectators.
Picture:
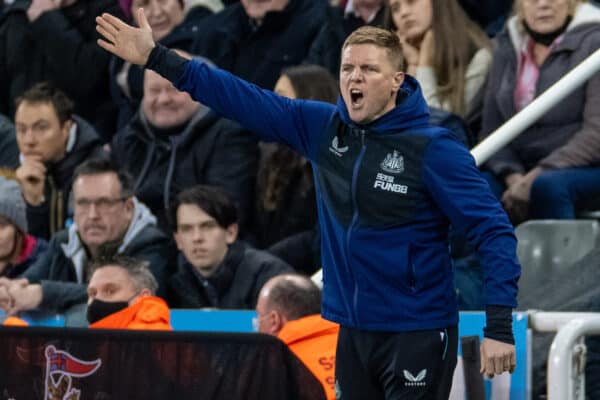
(100, 158)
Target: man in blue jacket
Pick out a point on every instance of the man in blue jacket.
(388, 186)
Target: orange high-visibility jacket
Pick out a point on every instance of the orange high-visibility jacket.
(313, 340)
(148, 313)
(14, 321)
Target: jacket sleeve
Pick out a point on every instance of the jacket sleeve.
(505, 161)
(584, 147)
(58, 295)
(81, 63)
(298, 123)
(465, 198)
(233, 165)
(40, 269)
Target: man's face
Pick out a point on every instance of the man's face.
(368, 82)
(111, 284)
(40, 135)
(163, 105)
(162, 15)
(256, 9)
(201, 239)
(101, 213)
(412, 18)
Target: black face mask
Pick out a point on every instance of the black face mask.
(99, 309)
(547, 39)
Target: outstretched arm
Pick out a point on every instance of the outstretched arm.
(130, 43)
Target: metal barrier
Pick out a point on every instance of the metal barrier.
(567, 357)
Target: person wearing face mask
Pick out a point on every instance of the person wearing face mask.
(550, 171)
(173, 25)
(121, 295)
(446, 51)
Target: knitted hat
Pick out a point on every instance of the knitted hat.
(12, 205)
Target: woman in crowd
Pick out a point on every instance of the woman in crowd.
(447, 52)
(286, 207)
(551, 169)
(18, 250)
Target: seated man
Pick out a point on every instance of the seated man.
(173, 143)
(108, 221)
(52, 142)
(289, 307)
(121, 296)
(214, 269)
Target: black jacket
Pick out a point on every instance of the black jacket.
(60, 47)
(56, 270)
(258, 54)
(44, 220)
(182, 37)
(235, 285)
(210, 150)
(326, 49)
(9, 151)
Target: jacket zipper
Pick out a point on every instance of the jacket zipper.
(355, 222)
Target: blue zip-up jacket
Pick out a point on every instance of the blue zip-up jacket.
(386, 194)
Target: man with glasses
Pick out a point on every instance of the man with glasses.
(108, 220)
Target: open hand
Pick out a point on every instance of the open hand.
(130, 43)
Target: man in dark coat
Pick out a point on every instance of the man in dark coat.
(214, 268)
(256, 40)
(174, 143)
(108, 221)
(52, 143)
(55, 41)
(9, 152)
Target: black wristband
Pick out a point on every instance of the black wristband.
(166, 62)
(499, 324)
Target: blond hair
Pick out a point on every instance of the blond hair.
(385, 39)
(520, 13)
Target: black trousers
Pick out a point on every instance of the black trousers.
(416, 365)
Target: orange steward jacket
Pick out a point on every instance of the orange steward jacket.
(148, 313)
(313, 340)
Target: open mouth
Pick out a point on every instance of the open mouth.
(356, 96)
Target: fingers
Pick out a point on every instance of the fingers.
(113, 21)
(107, 35)
(106, 46)
(496, 358)
(142, 19)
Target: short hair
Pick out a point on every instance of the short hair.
(103, 165)
(210, 199)
(312, 82)
(519, 12)
(295, 296)
(379, 37)
(45, 92)
(137, 270)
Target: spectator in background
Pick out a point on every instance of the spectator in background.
(289, 307)
(341, 21)
(172, 26)
(121, 295)
(174, 143)
(108, 221)
(550, 170)
(286, 215)
(18, 249)
(446, 51)
(9, 151)
(55, 41)
(215, 269)
(52, 143)
(256, 39)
